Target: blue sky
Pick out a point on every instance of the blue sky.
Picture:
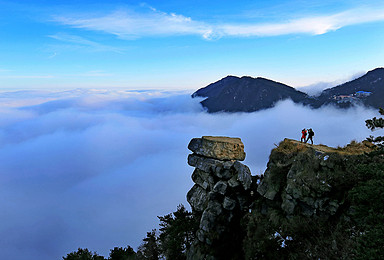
(185, 44)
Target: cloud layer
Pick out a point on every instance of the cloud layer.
(94, 168)
(132, 25)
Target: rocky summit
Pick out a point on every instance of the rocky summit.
(302, 177)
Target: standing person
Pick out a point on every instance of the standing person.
(303, 135)
(310, 135)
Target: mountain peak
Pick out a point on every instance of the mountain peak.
(379, 69)
(245, 94)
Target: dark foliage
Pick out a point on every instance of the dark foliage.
(177, 233)
(119, 253)
(83, 254)
(374, 124)
(149, 249)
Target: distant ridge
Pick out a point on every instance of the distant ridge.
(372, 82)
(247, 94)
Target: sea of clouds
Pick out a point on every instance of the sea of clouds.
(93, 168)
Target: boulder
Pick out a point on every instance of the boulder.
(243, 174)
(229, 204)
(220, 187)
(208, 164)
(198, 198)
(204, 179)
(233, 182)
(218, 147)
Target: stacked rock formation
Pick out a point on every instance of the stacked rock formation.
(220, 195)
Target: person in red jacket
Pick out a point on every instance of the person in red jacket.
(303, 135)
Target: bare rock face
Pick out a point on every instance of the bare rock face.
(220, 196)
(218, 147)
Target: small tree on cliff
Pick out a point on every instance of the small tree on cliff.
(149, 249)
(119, 253)
(177, 233)
(83, 254)
(374, 124)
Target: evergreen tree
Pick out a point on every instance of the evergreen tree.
(83, 254)
(374, 124)
(149, 249)
(177, 233)
(119, 253)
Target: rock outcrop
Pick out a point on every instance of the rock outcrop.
(241, 215)
(308, 179)
(220, 196)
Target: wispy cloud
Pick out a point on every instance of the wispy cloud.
(53, 55)
(27, 76)
(83, 42)
(132, 25)
(316, 88)
(307, 25)
(96, 73)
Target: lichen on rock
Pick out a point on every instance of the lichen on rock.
(218, 147)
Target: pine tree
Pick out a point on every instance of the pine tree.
(374, 124)
(149, 249)
(83, 254)
(119, 253)
(177, 233)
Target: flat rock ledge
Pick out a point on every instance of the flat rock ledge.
(218, 147)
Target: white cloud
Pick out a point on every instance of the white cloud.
(27, 76)
(96, 73)
(93, 169)
(316, 88)
(314, 25)
(83, 42)
(131, 25)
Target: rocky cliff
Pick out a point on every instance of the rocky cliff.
(304, 187)
(220, 195)
(305, 178)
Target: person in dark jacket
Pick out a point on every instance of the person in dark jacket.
(310, 135)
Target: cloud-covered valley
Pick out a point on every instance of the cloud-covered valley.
(91, 168)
